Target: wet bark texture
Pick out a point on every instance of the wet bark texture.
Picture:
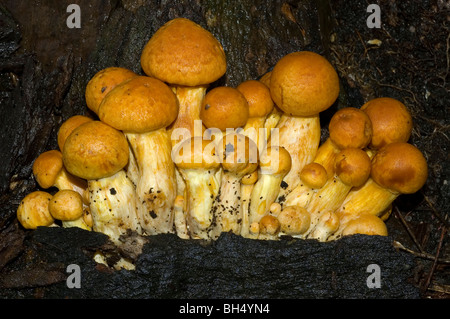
(45, 66)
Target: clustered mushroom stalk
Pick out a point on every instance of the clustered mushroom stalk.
(275, 163)
(397, 168)
(302, 84)
(352, 169)
(239, 157)
(198, 162)
(349, 128)
(98, 153)
(142, 108)
(187, 58)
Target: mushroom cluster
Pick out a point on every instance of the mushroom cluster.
(166, 155)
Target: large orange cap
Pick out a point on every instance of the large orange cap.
(304, 84)
(400, 167)
(139, 105)
(95, 150)
(391, 121)
(350, 127)
(181, 52)
(224, 107)
(103, 82)
(257, 94)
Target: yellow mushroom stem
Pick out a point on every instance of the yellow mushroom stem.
(240, 157)
(113, 206)
(300, 136)
(180, 217)
(275, 162)
(247, 184)
(352, 169)
(156, 187)
(198, 164)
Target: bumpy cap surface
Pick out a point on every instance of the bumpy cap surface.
(181, 52)
(304, 84)
(103, 82)
(224, 107)
(400, 167)
(350, 127)
(391, 121)
(66, 205)
(95, 150)
(139, 105)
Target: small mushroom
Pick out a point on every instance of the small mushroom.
(33, 212)
(269, 227)
(274, 164)
(67, 206)
(49, 171)
(224, 110)
(294, 221)
(365, 224)
(260, 105)
(198, 162)
(391, 121)
(239, 156)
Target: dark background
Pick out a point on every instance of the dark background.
(45, 66)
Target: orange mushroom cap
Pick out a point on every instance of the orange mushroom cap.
(181, 52)
(350, 127)
(304, 84)
(224, 107)
(391, 121)
(139, 105)
(103, 82)
(95, 150)
(400, 167)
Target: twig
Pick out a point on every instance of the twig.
(430, 275)
(424, 255)
(408, 229)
